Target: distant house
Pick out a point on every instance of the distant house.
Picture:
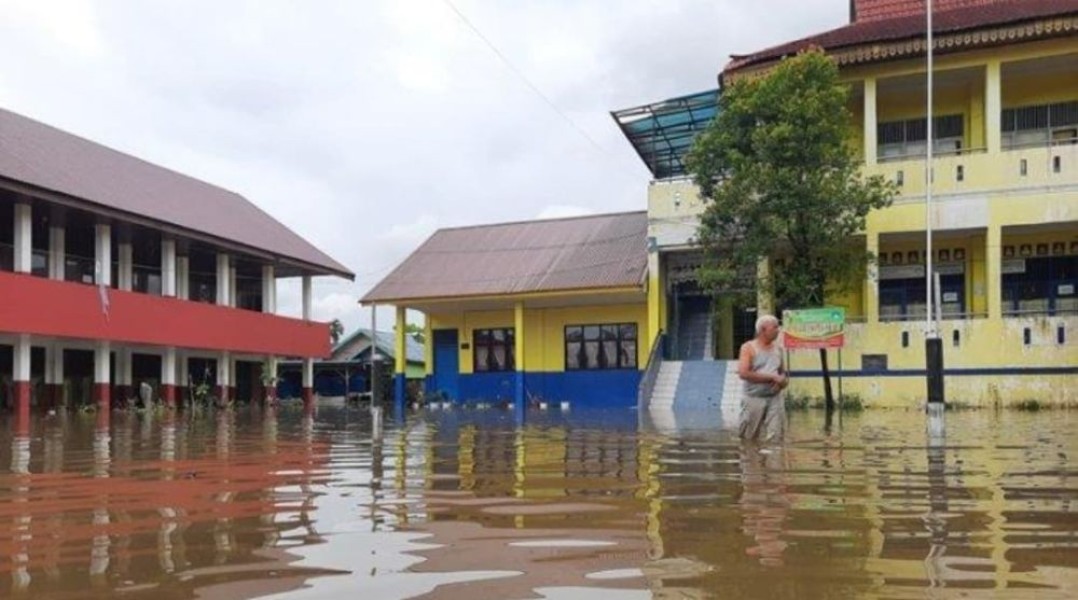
(350, 362)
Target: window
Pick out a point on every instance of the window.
(1040, 125)
(1040, 285)
(494, 350)
(591, 347)
(899, 139)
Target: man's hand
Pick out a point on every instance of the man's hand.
(779, 381)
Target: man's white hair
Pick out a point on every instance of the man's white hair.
(765, 320)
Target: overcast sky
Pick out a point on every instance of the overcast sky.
(365, 125)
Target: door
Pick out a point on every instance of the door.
(446, 363)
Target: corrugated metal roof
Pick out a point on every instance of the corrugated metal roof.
(603, 251)
(47, 158)
(414, 351)
(907, 26)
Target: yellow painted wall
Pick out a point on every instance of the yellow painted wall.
(544, 330)
(1023, 89)
(983, 343)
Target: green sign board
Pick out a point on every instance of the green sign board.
(813, 328)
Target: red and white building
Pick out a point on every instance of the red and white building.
(115, 271)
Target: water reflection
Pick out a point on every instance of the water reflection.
(452, 504)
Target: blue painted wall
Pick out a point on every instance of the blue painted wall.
(584, 389)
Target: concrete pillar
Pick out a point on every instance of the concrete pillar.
(224, 377)
(872, 278)
(103, 255)
(518, 353)
(994, 270)
(124, 376)
(125, 279)
(183, 278)
(168, 268)
(308, 382)
(269, 377)
(269, 289)
(168, 377)
(400, 357)
(655, 298)
(871, 142)
(21, 373)
(52, 385)
(181, 375)
(57, 252)
(24, 231)
(233, 289)
(102, 376)
(993, 106)
(306, 297)
(224, 277)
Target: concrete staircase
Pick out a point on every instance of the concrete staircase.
(696, 384)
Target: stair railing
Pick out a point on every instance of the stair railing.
(651, 371)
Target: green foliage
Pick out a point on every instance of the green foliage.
(336, 330)
(779, 177)
(417, 332)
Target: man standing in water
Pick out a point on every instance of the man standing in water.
(763, 412)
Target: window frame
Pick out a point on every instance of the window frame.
(626, 346)
(508, 343)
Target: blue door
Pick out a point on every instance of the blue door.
(446, 363)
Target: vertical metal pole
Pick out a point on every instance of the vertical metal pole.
(374, 354)
(933, 344)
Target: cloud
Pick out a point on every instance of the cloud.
(365, 126)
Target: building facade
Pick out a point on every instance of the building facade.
(551, 310)
(1004, 209)
(116, 272)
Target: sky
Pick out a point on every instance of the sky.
(365, 125)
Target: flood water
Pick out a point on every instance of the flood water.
(466, 504)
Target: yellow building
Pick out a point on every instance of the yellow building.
(552, 310)
(1004, 212)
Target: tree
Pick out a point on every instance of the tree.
(416, 332)
(336, 330)
(779, 178)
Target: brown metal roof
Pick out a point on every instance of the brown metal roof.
(603, 251)
(47, 158)
(901, 24)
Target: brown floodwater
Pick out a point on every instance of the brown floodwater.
(469, 504)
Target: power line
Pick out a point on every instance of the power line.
(522, 76)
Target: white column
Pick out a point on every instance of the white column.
(871, 141)
(103, 258)
(181, 369)
(232, 287)
(102, 362)
(308, 373)
(306, 297)
(224, 369)
(168, 268)
(124, 368)
(183, 279)
(269, 289)
(168, 366)
(21, 366)
(24, 249)
(57, 250)
(993, 106)
(223, 278)
(125, 279)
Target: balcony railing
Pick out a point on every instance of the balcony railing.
(975, 170)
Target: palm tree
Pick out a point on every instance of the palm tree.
(336, 330)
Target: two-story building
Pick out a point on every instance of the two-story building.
(115, 271)
(1004, 209)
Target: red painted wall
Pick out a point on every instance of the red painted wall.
(58, 308)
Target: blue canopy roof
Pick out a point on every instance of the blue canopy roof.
(663, 132)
